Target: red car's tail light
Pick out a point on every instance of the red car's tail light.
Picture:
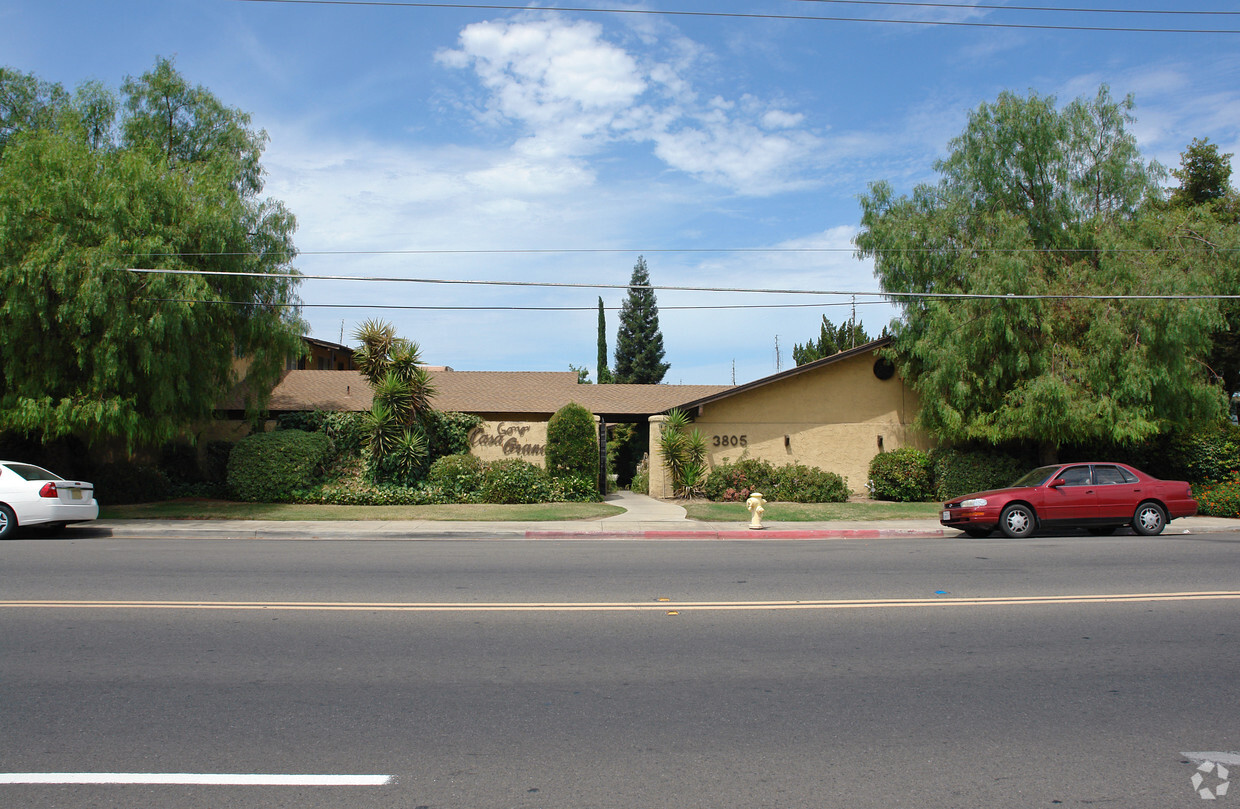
(48, 490)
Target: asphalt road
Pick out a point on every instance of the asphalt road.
(477, 674)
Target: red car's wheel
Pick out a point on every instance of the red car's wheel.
(1017, 521)
(1149, 520)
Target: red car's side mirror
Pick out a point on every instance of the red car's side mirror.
(1056, 483)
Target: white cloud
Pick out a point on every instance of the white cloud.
(575, 94)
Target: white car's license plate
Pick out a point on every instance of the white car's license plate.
(76, 494)
(947, 515)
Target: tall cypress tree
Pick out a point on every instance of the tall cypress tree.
(604, 373)
(639, 343)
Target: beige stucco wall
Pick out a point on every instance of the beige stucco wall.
(836, 418)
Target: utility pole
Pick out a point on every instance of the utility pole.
(778, 362)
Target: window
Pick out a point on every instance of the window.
(1075, 476)
(1104, 475)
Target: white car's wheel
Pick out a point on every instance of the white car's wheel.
(8, 521)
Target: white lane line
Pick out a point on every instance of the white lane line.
(212, 779)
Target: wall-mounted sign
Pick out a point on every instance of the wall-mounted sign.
(494, 439)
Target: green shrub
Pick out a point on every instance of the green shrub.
(215, 467)
(512, 480)
(1203, 456)
(640, 482)
(447, 433)
(122, 482)
(573, 489)
(796, 483)
(347, 431)
(902, 475)
(732, 481)
(271, 467)
(1219, 499)
(338, 494)
(956, 472)
(572, 443)
(456, 477)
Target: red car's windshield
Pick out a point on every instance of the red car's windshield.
(1036, 477)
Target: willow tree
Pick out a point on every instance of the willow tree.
(96, 192)
(1047, 210)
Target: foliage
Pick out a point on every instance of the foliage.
(957, 471)
(123, 482)
(627, 446)
(572, 443)
(1038, 201)
(604, 373)
(512, 480)
(733, 481)
(797, 483)
(1220, 499)
(271, 467)
(639, 343)
(397, 450)
(684, 453)
(447, 432)
(458, 476)
(1204, 175)
(92, 185)
(640, 482)
(832, 339)
(902, 475)
(1205, 455)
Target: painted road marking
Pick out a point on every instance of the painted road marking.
(609, 606)
(211, 779)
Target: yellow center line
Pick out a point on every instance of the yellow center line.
(615, 606)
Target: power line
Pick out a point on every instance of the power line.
(482, 308)
(1057, 9)
(1008, 296)
(743, 15)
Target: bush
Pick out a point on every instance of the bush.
(573, 489)
(640, 482)
(447, 433)
(793, 483)
(271, 467)
(796, 483)
(572, 443)
(731, 481)
(902, 475)
(123, 482)
(455, 476)
(1219, 499)
(956, 472)
(512, 480)
(1203, 456)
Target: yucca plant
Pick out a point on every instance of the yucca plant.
(684, 453)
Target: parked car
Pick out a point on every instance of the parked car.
(1101, 497)
(31, 495)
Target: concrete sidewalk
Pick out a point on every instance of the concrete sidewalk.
(644, 518)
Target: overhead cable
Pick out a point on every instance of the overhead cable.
(743, 15)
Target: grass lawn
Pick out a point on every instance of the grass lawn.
(815, 512)
(228, 510)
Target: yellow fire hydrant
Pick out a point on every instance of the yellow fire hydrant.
(755, 505)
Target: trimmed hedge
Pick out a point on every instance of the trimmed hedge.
(272, 467)
(572, 443)
(456, 476)
(903, 475)
(956, 472)
(793, 483)
(512, 480)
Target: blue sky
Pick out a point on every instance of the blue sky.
(494, 145)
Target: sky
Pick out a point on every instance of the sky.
(422, 144)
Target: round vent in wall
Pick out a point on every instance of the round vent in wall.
(883, 369)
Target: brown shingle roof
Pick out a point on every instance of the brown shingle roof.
(536, 393)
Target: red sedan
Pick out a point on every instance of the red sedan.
(1098, 496)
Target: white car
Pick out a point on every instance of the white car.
(31, 495)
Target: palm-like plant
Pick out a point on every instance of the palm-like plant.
(684, 453)
(402, 394)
